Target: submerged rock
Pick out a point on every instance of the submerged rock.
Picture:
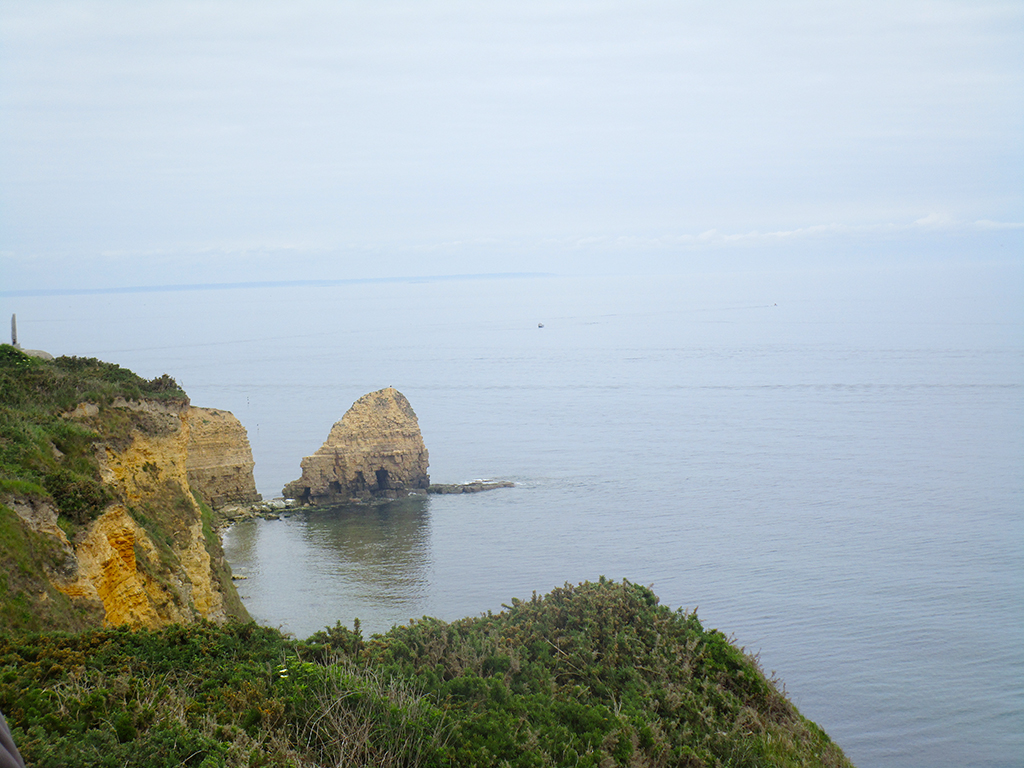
(375, 451)
(475, 486)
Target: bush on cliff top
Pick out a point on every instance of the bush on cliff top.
(63, 383)
(43, 454)
(597, 674)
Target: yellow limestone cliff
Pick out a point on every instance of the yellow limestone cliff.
(376, 450)
(219, 460)
(150, 558)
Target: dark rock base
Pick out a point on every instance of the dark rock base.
(474, 487)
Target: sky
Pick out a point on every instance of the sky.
(166, 143)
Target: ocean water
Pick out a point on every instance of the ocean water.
(828, 466)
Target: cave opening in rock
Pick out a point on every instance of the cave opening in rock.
(383, 481)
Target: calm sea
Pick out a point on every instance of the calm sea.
(828, 466)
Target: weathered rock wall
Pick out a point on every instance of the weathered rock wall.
(150, 559)
(376, 450)
(219, 463)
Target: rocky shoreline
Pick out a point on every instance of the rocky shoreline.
(229, 514)
(272, 509)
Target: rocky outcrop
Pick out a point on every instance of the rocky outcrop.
(219, 463)
(36, 353)
(376, 450)
(150, 559)
(475, 486)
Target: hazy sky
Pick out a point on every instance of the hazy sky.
(182, 142)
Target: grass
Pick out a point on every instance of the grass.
(45, 456)
(596, 674)
(28, 601)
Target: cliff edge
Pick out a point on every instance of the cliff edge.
(219, 461)
(98, 524)
(376, 450)
(147, 559)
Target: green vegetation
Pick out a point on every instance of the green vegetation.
(594, 675)
(48, 459)
(27, 598)
(43, 454)
(221, 570)
(597, 674)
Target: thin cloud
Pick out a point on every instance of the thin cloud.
(989, 224)
(233, 131)
(717, 237)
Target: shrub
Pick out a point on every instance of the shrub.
(81, 499)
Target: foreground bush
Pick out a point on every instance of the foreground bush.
(597, 674)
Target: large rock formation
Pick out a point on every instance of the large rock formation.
(150, 559)
(376, 450)
(219, 458)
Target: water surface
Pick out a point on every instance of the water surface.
(828, 467)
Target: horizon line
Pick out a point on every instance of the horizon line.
(310, 283)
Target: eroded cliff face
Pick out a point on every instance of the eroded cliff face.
(109, 572)
(151, 558)
(219, 463)
(376, 450)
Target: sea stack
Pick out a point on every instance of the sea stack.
(375, 451)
